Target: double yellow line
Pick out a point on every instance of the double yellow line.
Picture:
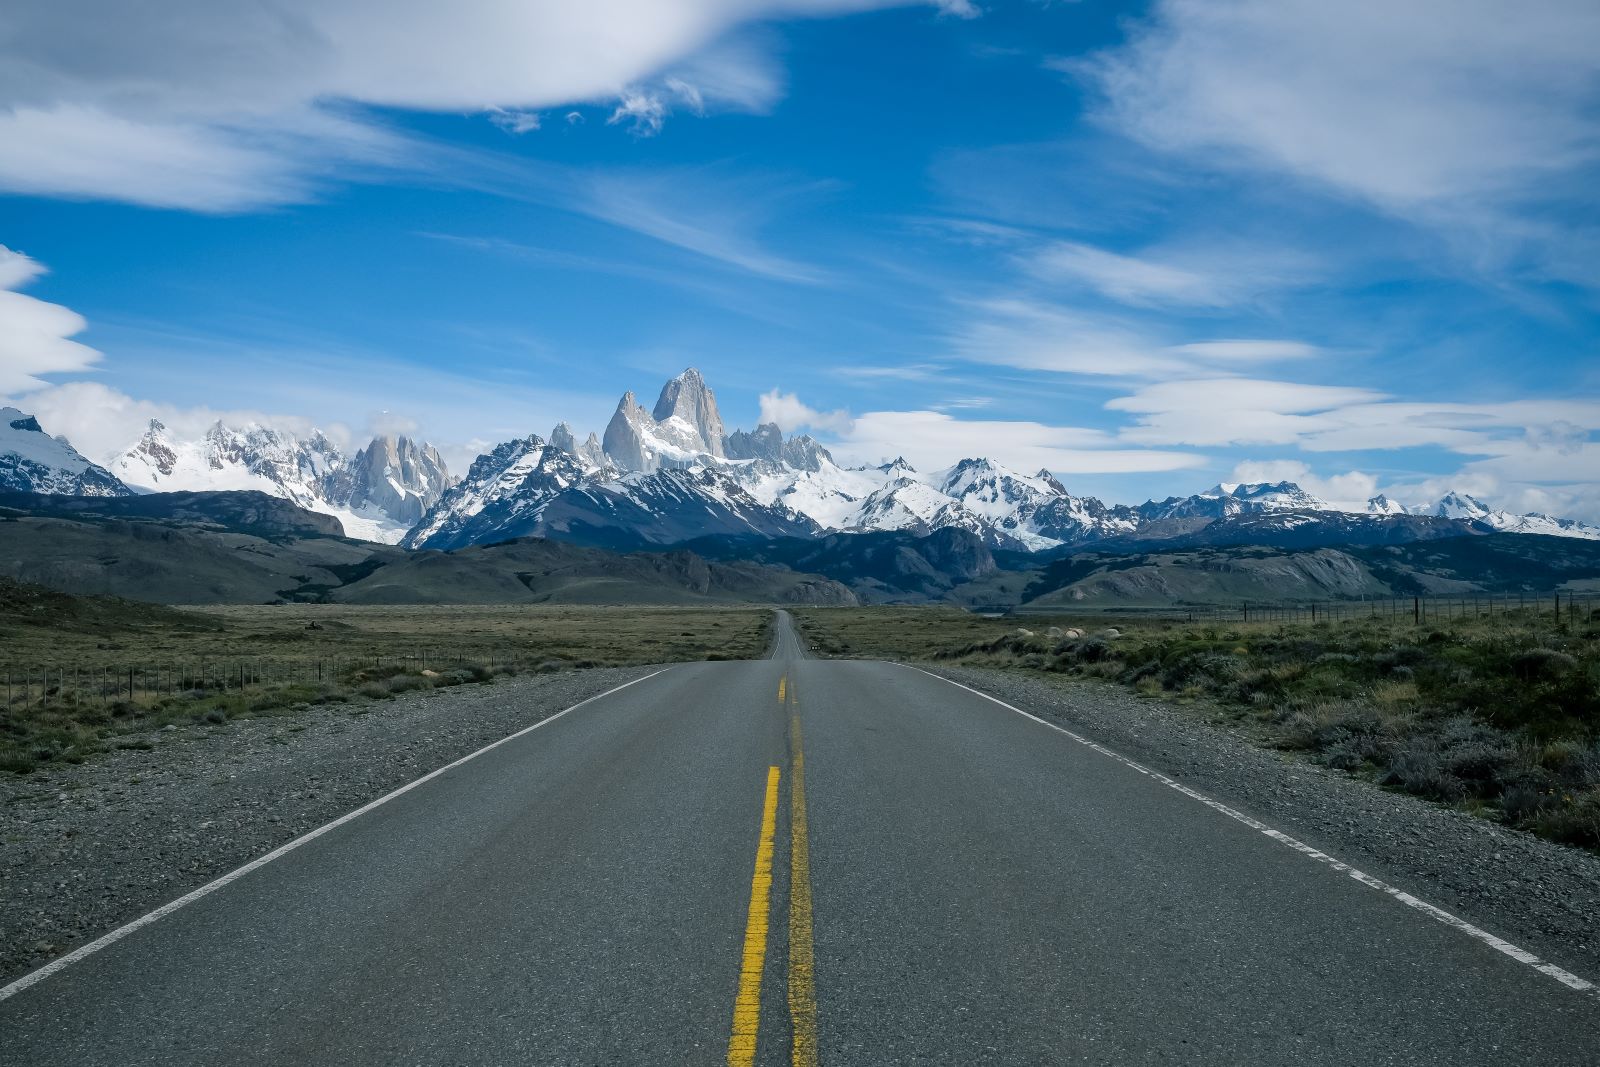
(801, 972)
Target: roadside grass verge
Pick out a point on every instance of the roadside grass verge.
(1497, 716)
(206, 667)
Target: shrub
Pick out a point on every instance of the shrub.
(1574, 820)
(1417, 767)
(1537, 664)
(405, 683)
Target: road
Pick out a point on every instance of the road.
(640, 881)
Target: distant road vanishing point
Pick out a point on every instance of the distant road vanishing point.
(798, 861)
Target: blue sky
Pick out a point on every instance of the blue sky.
(1148, 246)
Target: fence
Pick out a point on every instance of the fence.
(1413, 610)
(108, 684)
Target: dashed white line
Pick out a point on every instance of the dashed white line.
(121, 932)
(1521, 955)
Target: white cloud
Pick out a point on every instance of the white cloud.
(1244, 351)
(934, 439)
(222, 107)
(1129, 279)
(1352, 488)
(1043, 337)
(790, 413)
(1400, 104)
(101, 421)
(645, 113)
(17, 269)
(35, 335)
(514, 122)
(391, 424)
(1336, 418)
(1233, 411)
(1029, 336)
(1516, 489)
(1568, 500)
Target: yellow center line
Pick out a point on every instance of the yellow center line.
(802, 976)
(783, 684)
(747, 1006)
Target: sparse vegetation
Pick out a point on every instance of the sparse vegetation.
(1499, 716)
(65, 659)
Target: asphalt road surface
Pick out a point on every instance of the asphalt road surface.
(797, 861)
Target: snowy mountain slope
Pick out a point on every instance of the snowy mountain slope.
(528, 488)
(378, 494)
(747, 481)
(31, 461)
(1464, 508)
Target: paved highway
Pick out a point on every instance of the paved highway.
(794, 861)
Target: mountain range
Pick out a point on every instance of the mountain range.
(377, 495)
(673, 473)
(669, 474)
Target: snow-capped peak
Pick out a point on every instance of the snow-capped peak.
(1283, 495)
(1461, 506)
(1382, 505)
(376, 495)
(31, 461)
(684, 429)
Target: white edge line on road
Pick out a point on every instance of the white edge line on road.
(121, 932)
(1521, 955)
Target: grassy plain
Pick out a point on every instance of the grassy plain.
(1498, 715)
(83, 673)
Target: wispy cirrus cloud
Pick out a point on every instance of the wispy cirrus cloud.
(1035, 336)
(1336, 418)
(704, 213)
(1208, 274)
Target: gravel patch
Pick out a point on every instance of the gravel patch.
(86, 848)
(1540, 895)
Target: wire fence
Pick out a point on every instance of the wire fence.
(1412, 610)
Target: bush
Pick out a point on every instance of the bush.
(1574, 820)
(405, 683)
(1418, 767)
(1536, 664)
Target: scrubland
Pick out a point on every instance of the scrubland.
(82, 674)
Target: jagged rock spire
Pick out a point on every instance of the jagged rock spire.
(689, 398)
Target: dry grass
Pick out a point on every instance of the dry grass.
(65, 661)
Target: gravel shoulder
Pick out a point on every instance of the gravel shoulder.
(1542, 896)
(85, 848)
